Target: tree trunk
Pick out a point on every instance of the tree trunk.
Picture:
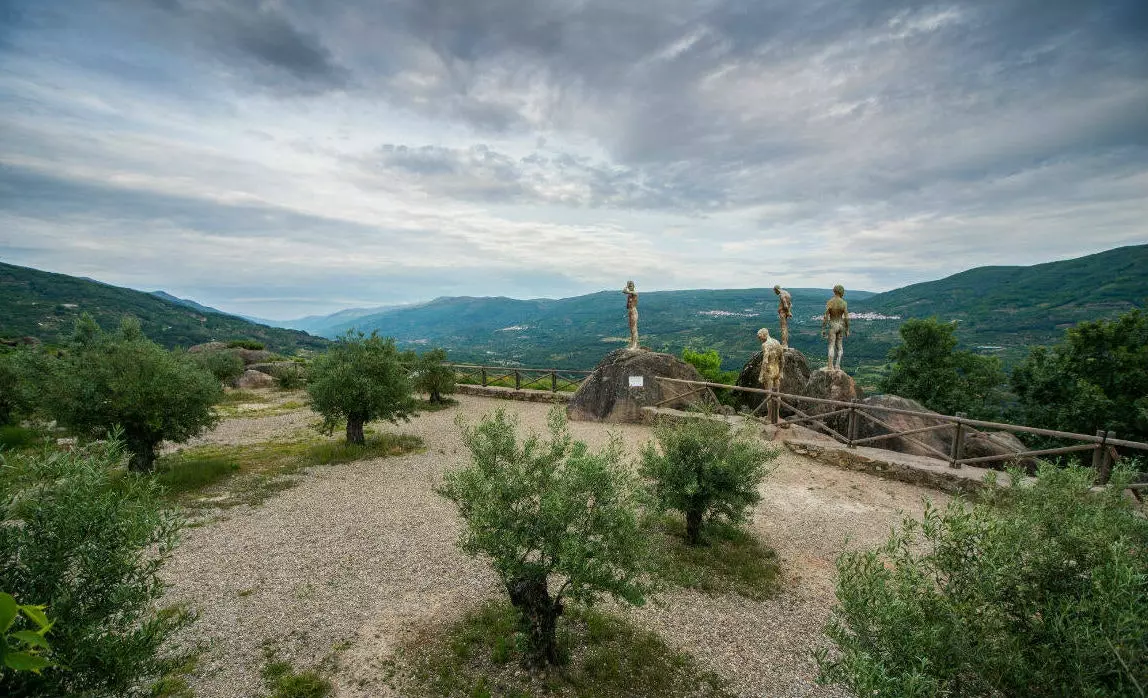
(142, 456)
(538, 614)
(435, 397)
(355, 431)
(694, 525)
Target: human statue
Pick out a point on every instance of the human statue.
(770, 375)
(632, 310)
(835, 326)
(784, 312)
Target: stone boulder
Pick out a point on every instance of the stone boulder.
(253, 356)
(794, 376)
(606, 395)
(828, 384)
(254, 379)
(273, 367)
(977, 444)
(207, 347)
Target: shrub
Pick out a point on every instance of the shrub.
(360, 379)
(708, 364)
(432, 376)
(1038, 591)
(88, 540)
(251, 344)
(226, 366)
(22, 647)
(706, 470)
(125, 380)
(547, 508)
(290, 377)
(21, 380)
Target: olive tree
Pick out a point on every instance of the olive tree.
(124, 380)
(360, 379)
(705, 469)
(558, 521)
(1038, 590)
(432, 376)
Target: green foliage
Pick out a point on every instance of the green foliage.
(1097, 378)
(45, 305)
(706, 470)
(734, 561)
(360, 379)
(291, 376)
(708, 363)
(1038, 591)
(226, 366)
(86, 539)
(23, 377)
(22, 647)
(251, 344)
(432, 376)
(607, 657)
(284, 682)
(125, 380)
(544, 508)
(928, 367)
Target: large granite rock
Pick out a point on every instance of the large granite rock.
(253, 356)
(827, 384)
(254, 379)
(977, 445)
(207, 347)
(606, 395)
(794, 376)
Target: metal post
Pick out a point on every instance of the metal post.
(958, 451)
(517, 380)
(484, 376)
(554, 381)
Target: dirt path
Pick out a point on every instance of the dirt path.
(335, 569)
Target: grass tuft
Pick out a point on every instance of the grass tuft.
(237, 397)
(186, 472)
(284, 682)
(729, 560)
(606, 657)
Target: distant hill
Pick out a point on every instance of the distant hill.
(1017, 307)
(327, 325)
(45, 305)
(164, 295)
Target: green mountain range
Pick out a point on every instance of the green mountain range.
(45, 305)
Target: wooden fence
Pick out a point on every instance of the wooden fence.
(1103, 444)
(552, 379)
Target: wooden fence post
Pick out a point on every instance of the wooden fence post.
(852, 432)
(1101, 461)
(958, 451)
(517, 380)
(554, 381)
(484, 376)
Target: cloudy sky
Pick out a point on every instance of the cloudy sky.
(284, 157)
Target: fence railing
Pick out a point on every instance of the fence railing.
(521, 378)
(1103, 444)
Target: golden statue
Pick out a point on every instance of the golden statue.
(632, 310)
(835, 326)
(772, 355)
(784, 312)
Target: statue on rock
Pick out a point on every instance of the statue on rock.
(835, 326)
(632, 310)
(772, 355)
(784, 312)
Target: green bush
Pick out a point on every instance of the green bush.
(360, 379)
(708, 364)
(226, 366)
(433, 377)
(127, 381)
(251, 344)
(23, 637)
(549, 508)
(87, 540)
(290, 377)
(21, 381)
(706, 470)
(1038, 591)
(928, 368)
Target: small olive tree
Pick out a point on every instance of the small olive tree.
(360, 379)
(549, 508)
(1040, 590)
(225, 365)
(705, 469)
(432, 376)
(123, 379)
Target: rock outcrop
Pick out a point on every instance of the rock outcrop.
(794, 376)
(254, 379)
(207, 347)
(606, 395)
(253, 356)
(828, 384)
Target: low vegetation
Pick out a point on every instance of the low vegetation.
(360, 379)
(602, 656)
(544, 509)
(706, 470)
(734, 561)
(226, 366)
(87, 540)
(284, 681)
(23, 637)
(433, 377)
(1039, 590)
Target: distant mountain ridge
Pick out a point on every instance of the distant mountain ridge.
(45, 305)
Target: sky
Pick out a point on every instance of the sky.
(287, 157)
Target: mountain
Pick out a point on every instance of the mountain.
(45, 305)
(325, 325)
(191, 304)
(1009, 309)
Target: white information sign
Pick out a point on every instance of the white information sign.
(637, 381)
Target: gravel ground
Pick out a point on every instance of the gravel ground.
(335, 570)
